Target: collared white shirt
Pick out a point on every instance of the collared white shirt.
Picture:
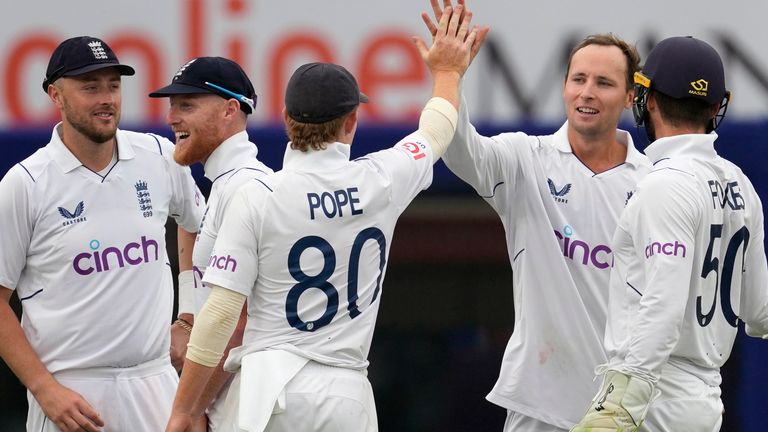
(86, 253)
(559, 218)
(230, 165)
(308, 245)
(690, 262)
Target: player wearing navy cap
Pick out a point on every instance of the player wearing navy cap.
(210, 100)
(83, 245)
(559, 197)
(308, 247)
(689, 256)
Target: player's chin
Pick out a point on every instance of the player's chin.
(182, 153)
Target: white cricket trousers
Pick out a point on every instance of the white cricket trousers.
(686, 404)
(324, 398)
(517, 422)
(131, 399)
(319, 398)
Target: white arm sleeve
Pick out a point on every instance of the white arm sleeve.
(16, 212)
(438, 124)
(214, 326)
(754, 298)
(665, 212)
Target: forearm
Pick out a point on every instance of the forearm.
(437, 124)
(209, 339)
(186, 294)
(185, 241)
(479, 160)
(658, 326)
(219, 377)
(446, 85)
(754, 300)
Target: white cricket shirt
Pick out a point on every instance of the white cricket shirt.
(309, 244)
(690, 262)
(87, 255)
(559, 218)
(228, 167)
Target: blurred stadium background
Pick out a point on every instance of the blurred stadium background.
(447, 309)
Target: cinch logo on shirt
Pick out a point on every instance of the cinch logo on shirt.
(222, 262)
(132, 254)
(599, 256)
(670, 249)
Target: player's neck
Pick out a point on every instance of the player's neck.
(94, 156)
(599, 153)
(663, 130)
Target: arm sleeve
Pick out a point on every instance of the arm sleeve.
(214, 326)
(486, 163)
(187, 202)
(668, 214)
(754, 299)
(437, 125)
(406, 168)
(17, 225)
(234, 261)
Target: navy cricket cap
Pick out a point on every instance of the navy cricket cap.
(214, 75)
(686, 67)
(79, 55)
(321, 92)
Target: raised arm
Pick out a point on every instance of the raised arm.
(447, 59)
(471, 156)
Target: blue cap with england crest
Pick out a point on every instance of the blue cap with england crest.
(215, 75)
(80, 55)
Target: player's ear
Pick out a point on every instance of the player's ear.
(54, 92)
(630, 98)
(351, 122)
(233, 107)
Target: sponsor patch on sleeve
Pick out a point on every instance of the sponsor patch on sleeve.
(415, 149)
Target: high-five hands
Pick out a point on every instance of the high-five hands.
(451, 43)
(461, 9)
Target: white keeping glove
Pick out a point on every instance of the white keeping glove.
(620, 405)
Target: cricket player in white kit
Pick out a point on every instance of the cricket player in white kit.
(689, 257)
(559, 198)
(83, 245)
(210, 100)
(308, 247)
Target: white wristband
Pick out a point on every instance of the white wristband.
(187, 292)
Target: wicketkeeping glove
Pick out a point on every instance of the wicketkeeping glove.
(619, 406)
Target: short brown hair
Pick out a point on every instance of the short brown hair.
(610, 39)
(689, 112)
(304, 136)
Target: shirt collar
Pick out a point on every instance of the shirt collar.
(67, 161)
(335, 154)
(634, 157)
(702, 145)
(229, 155)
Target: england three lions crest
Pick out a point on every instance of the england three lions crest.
(143, 197)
